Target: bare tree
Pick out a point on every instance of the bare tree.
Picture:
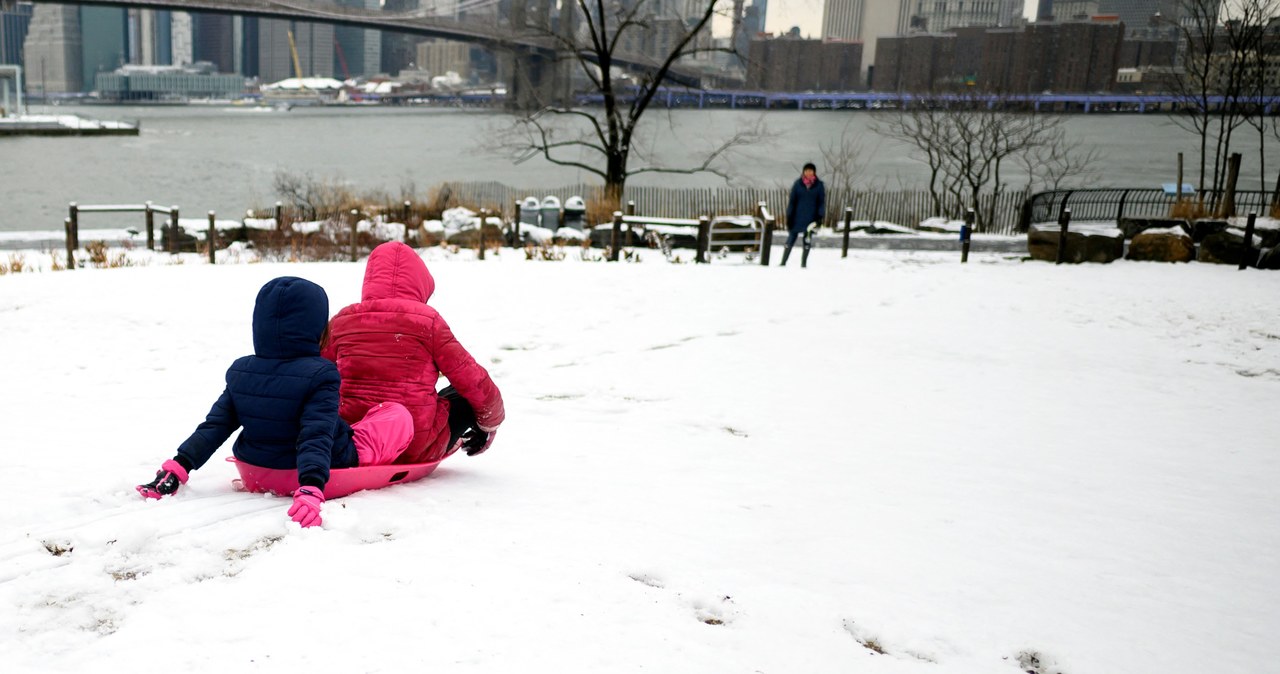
(1059, 161)
(600, 40)
(1219, 78)
(968, 141)
(845, 160)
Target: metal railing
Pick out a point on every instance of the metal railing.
(1111, 204)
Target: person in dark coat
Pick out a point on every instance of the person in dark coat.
(806, 206)
(285, 397)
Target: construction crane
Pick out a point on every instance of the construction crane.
(297, 67)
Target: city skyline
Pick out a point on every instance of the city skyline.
(807, 14)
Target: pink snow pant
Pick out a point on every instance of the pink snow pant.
(383, 434)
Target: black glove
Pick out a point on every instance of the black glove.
(476, 440)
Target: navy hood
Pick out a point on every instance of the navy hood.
(289, 318)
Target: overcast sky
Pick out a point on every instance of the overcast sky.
(783, 14)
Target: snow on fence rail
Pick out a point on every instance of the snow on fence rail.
(904, 207)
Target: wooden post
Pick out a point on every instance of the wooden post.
(965, 230)
(71, 250)
(615, 236)
(279, 217)
(407, 206)
(480, 235)
(515, 241)
(150, 218)
(1064, 221)
(1233, 174)
(848, 225)
(213, 238)
(355, 226)
(173, 230)
(1178, 189)
(766, 235)
(75, 225)
(1248, 241)
(704, 238)
(631, 210)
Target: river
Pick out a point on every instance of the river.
(225, 159)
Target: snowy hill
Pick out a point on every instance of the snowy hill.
(890, 463)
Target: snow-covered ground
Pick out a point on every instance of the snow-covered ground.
(889, 463)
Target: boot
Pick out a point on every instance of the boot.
(785, 252)
(804, 254)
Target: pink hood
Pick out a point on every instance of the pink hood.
(395, 272)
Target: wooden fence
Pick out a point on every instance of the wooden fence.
(904, 207)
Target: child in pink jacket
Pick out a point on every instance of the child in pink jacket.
(392, 347)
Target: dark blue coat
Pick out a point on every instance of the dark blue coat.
(285, 396)
(806, 205)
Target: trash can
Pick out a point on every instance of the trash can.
(551, 213)
(575, 213)
(529, 211)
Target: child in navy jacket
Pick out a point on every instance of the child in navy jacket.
(285, 397)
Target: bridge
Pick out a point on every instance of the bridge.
(537, 74)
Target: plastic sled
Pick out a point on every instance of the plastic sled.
(342, 481)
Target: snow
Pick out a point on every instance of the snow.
(299, 84)
(723, 468)
(69, 121)
(1105, 228)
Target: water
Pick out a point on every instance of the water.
(225, 159)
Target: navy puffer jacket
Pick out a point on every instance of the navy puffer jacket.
(285, 395)
(806, 205)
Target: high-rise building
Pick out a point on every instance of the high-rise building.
(937, 16)
(313, 42)
(793, 64)
(52, 50)
(181, 48)
(1068, 10)
(104, 35)
(865, 20)
(15, 19)
(1138, 15)
(213, 40)
(399, 50)
(358, 51)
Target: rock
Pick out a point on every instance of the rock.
(1202, 228)
(1166, 245)
(1269, 258)
(1226, 247)
(1135, 226)
(1104, 244)
(493, 236)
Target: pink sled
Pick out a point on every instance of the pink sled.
(342, 481)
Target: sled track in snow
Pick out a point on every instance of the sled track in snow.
(48, 546)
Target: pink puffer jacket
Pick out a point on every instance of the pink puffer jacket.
(392, 347)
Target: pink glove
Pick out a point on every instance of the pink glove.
(478, 439)
(306, 506)
(170, 476)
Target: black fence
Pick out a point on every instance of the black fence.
(1111, 204)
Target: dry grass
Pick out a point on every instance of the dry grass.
(1187, 209)
(16, 265)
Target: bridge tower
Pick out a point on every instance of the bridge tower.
(537, 78)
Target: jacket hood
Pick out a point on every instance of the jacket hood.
(395, 272)
(289, 318)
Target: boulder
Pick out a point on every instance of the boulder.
(1092, 244)
(1162, 245)
(1226, 247)
(1269, 258)
(493, 236)
(1202, 228)
(1135, 226)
